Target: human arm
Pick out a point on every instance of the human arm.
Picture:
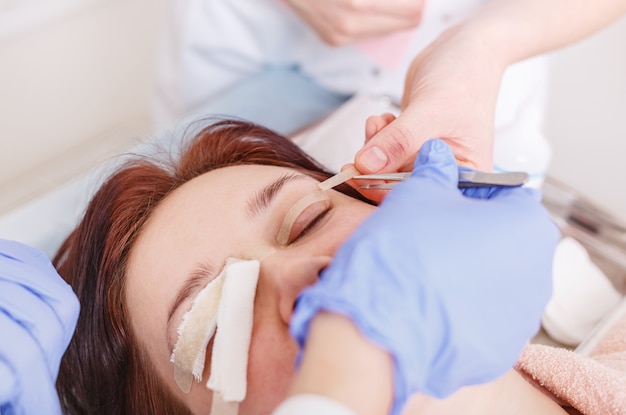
(347, 371)
(315, 392)
(519, 29)
(422, 276)
(340, 22)
(38, 314)
(452, 86)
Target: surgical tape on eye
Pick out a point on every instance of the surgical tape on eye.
(194, 334)
(224, 308)
(283, 233)
(229, 363)
(339, 178)
(285, 229)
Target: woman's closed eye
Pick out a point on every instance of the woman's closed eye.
(301, 215)
(311, 217)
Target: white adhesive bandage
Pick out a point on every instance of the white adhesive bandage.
(225, 307)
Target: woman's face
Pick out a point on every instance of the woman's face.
(233, 212)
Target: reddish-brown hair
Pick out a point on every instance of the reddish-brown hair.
(104, 370)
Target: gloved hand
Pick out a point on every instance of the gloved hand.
(452, 286)
(38, 314)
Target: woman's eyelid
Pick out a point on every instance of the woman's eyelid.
(308, 219)
(294, 213)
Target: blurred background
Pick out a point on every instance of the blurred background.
(76, 79)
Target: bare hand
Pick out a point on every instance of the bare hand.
(450, 93)
(373, 125)
(340, 22)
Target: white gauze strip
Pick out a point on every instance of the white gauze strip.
(194, 334)
(229, 362)
(228, 304)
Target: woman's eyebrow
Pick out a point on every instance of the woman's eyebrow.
(261, 199)
(201, 275)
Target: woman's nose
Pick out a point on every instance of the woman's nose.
(283, 278)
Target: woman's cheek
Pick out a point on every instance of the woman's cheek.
(270, 367)
(345, 225)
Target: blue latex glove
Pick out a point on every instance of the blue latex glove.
(38, 313)
(451, 285)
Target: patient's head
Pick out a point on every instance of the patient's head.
(149, 242)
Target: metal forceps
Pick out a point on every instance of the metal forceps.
(466, 179)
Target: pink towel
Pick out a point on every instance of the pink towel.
(593, 385)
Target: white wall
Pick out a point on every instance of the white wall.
(587, 117)
(72, 91)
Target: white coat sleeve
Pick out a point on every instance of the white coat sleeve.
(312, 405)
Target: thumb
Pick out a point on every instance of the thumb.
(436, 161)
(389, 150)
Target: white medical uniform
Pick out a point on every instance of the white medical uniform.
(214, 46)
(311, 405)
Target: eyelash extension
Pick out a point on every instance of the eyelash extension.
(312, 224)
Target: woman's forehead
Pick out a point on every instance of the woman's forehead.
(215, 201)
(218, 192)
(236, 182)
(242, 170)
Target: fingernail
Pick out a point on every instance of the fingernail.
(374, 159)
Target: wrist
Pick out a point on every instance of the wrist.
(511, 33)
(339, 363)
(487, 39)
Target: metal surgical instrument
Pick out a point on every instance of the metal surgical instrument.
(466, 179)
